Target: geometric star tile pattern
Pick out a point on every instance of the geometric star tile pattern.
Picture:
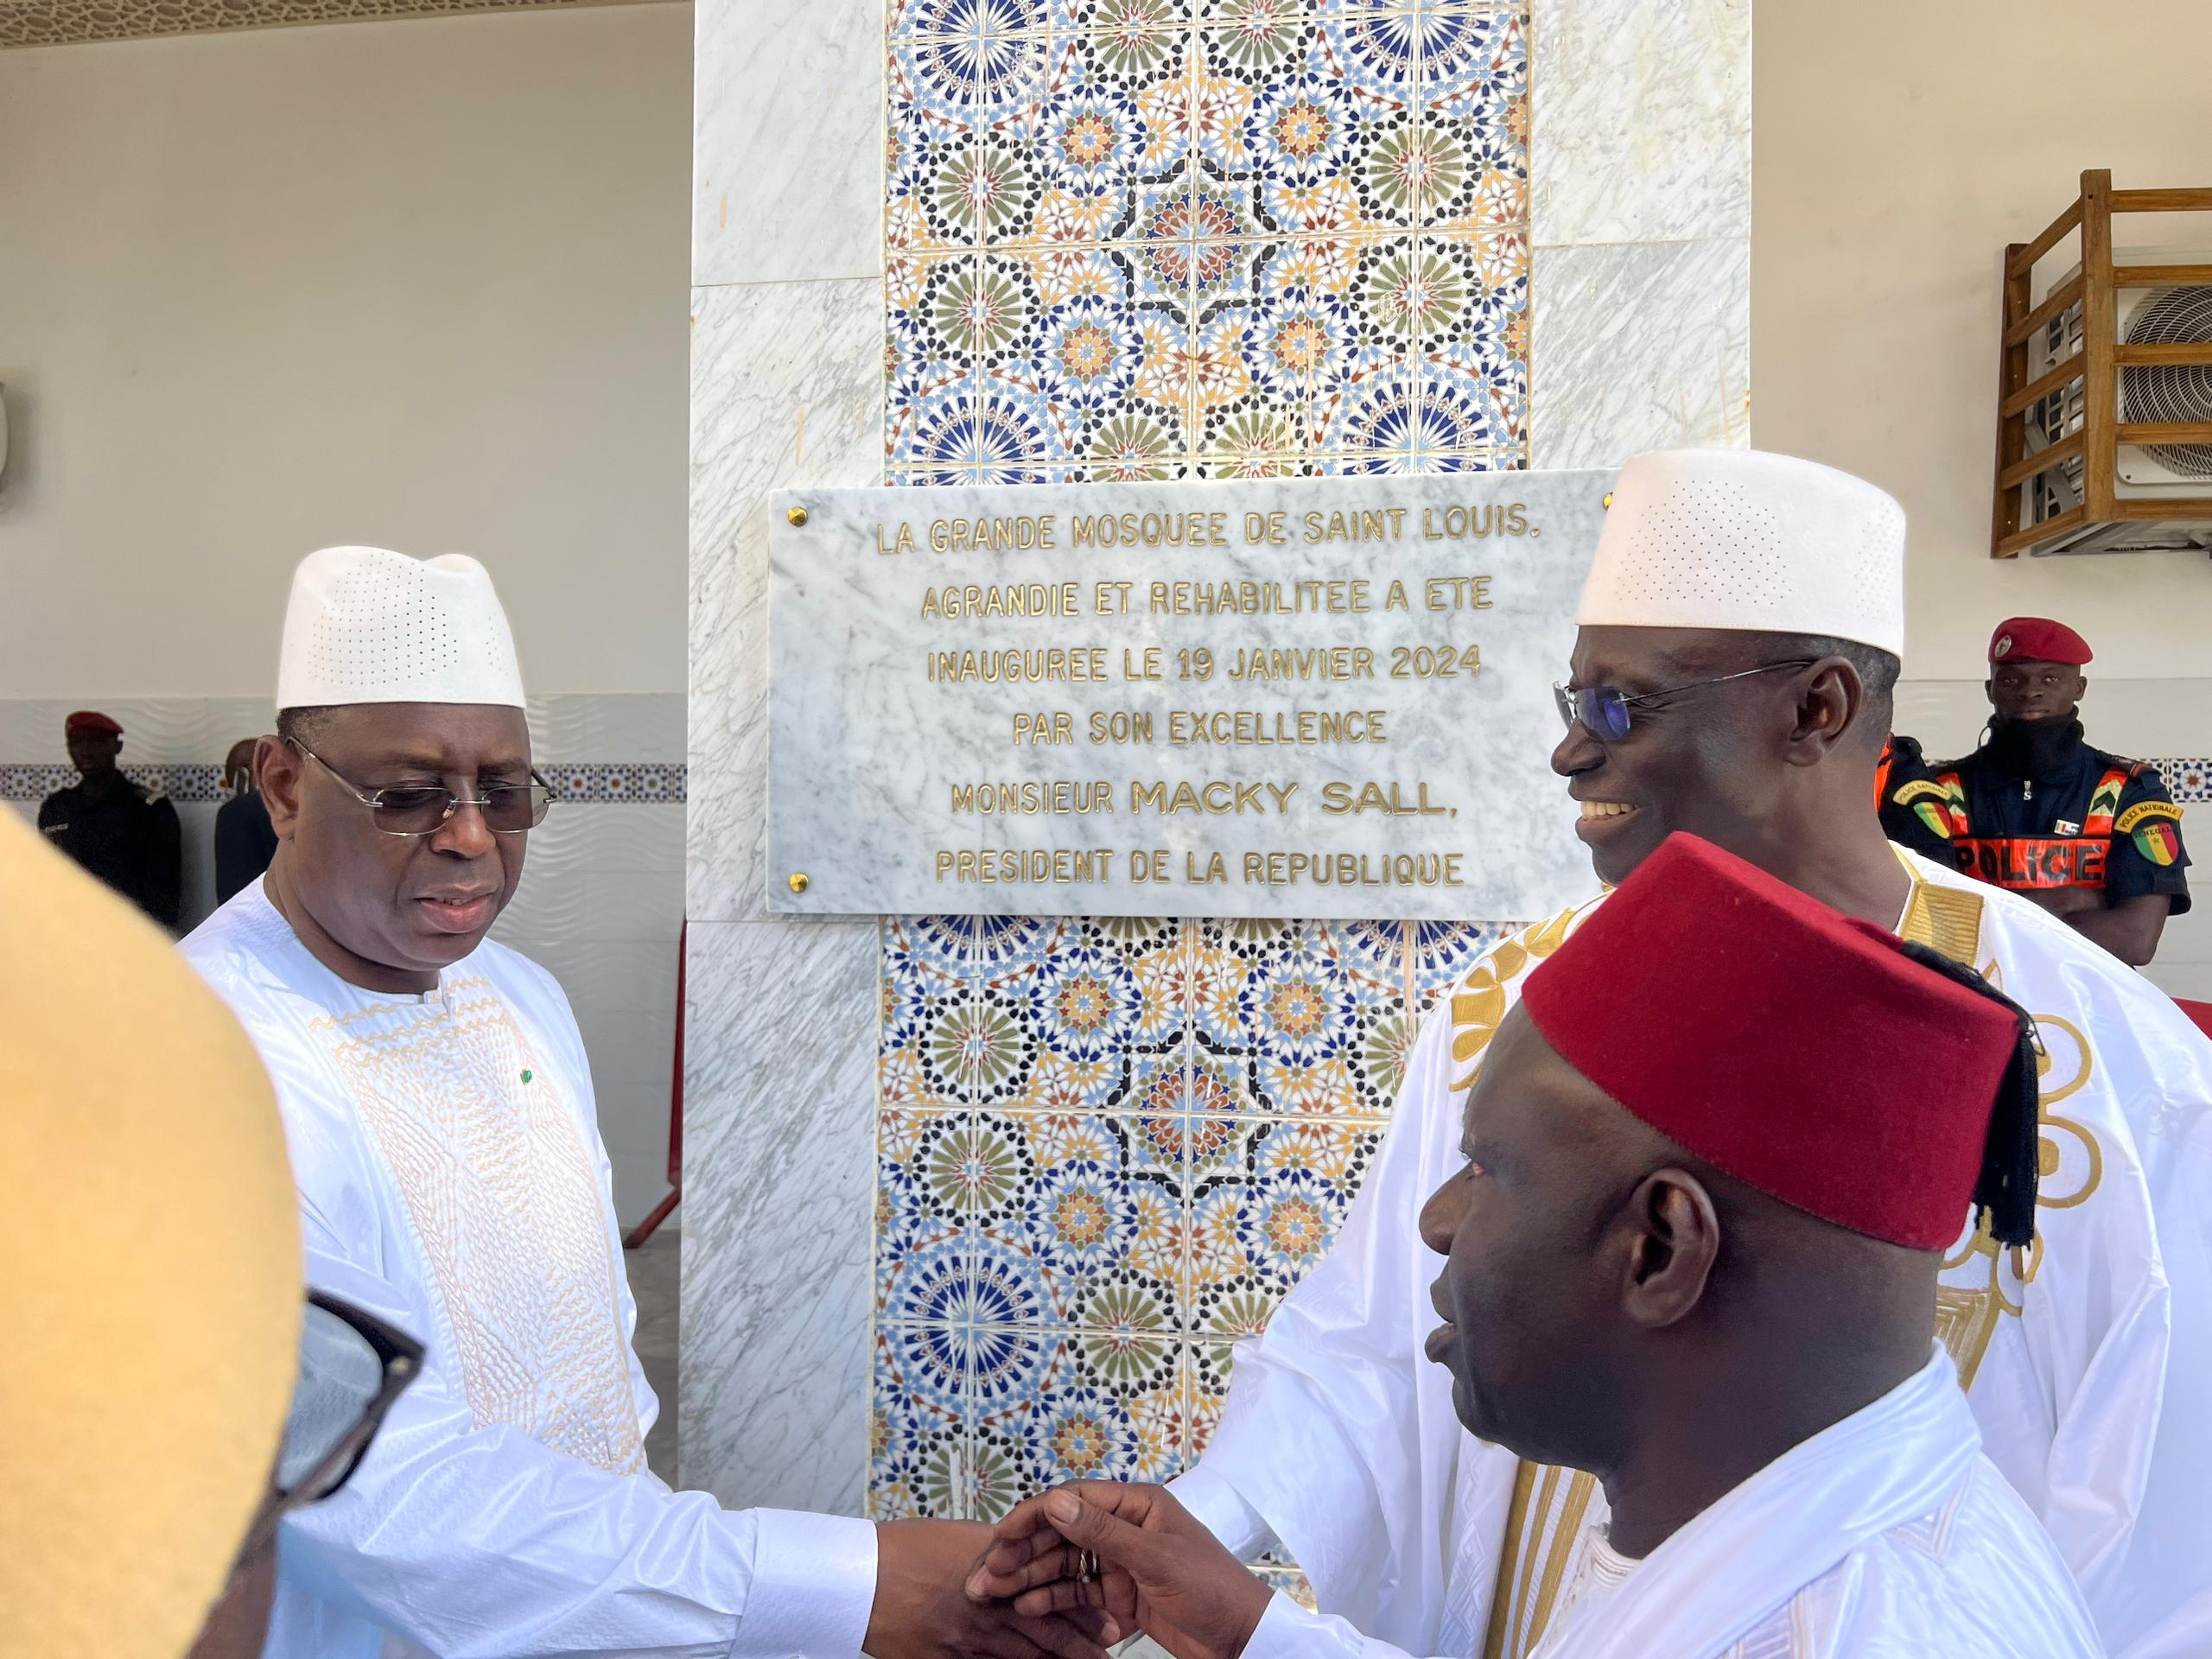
(1106, 1148)
(1158, 238)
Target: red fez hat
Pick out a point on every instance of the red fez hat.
(90, 719)
(2037, 639)
(1802, 1053)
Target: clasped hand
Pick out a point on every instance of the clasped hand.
(1131, 1554)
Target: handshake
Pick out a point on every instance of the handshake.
(1097, 1563)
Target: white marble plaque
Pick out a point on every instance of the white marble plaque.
(1297, 697)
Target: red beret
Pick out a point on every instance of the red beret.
(2037, 639)
(1799, 1051)
(90, 719)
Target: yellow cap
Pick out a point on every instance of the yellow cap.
(150, 1287)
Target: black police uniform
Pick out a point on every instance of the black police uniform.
(1902, 765)
(2050, 812)
(129, 839)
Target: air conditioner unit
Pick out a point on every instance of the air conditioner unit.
(2179, 312)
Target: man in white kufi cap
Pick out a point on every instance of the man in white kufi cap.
(438, 1106)
(1739, 638)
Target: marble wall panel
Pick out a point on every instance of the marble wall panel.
(786, 390)
(1640, 346)
(778, 1125)
(786, 142)
(1640, 121)
(869, 754)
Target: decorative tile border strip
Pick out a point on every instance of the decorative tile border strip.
(593, 783)
(2188, 780)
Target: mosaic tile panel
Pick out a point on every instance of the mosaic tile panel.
(1157, 238)
(1106, 1148)
(598, 783)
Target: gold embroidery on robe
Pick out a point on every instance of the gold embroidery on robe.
(1542, 1532)
(1946, 919)
(505, 1197)
(1478, 1001)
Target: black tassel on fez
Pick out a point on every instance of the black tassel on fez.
(2005, 1191)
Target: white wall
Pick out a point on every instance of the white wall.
(419, 283)
(1898, 146)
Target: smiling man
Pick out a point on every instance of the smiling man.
(1725, 1312)
(1739, 634)
(2093, 838)
(438, 1105)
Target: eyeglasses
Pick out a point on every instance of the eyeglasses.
(352, 1367)
(1602, 710)
(424, 809)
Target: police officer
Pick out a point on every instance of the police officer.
(123, 833)
(2092, 837)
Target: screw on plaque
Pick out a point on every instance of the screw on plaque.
(796, 515)
(798, 882)
(1608, 501)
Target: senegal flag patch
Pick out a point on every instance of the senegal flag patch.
(2156, 841)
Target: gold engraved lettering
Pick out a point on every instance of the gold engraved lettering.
(1218, 798)
(1342, 596)
(1021, 599)
(1457, 592)
(1304, 663)
(1469, 524)
(1120, 726)
(1303, 727)
(1058, 796)
(1016, 667)
(1150, 529)
(1322, 869)
(1064, 866)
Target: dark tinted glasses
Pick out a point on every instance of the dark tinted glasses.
(353, 1366)
(1603, 710)
(422, 808)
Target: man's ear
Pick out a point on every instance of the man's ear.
(1676, 1239)
(1828, 707)
(277, 774)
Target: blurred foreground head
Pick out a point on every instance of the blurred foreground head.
(150, 1283)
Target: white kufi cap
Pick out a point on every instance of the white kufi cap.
(369, 626)
(1739, 539)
